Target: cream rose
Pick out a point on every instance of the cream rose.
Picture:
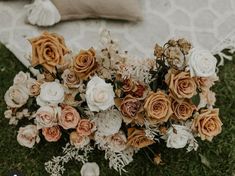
(16, 96)
(85, 127)
(52, 134)
(28, 136)
(158, 107)
(70, 79)
(99, 95)
(21, 78)
(33, 87)
(52, 93)
(178, 136)
(117, 142)
(69, 117)
(79, 141)
(90, 169)
(207, 124)
(46, 116)
(201, 63)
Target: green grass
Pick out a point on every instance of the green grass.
(220, 153)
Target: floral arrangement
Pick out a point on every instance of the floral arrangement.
(108, 100)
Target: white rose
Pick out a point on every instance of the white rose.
(16, 96)
(178, 136)
(52, 93)
(201, 63)
(21, 78)
(46, 116)
(90, 169)
(28, 136)
(99, 95)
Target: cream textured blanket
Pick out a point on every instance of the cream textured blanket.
(207, 23)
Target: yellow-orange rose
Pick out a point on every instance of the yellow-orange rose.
(158, 107)
(137, 138)
(207, 124)
(183, 110)
(85, 63)
(181, 84)
(52, 134)
(48, 50)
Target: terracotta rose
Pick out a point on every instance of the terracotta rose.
(48, 50)
(183, 110)
(158, 107)
(207, 124)
(181, 84)
(85, 63)
(137, 138)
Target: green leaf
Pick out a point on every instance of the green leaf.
(196, 99)
(205, 161)
(78, 97)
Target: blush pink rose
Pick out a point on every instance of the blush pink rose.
(52, 134)
(69, 117)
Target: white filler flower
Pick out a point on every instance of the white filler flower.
(178, 136)
(201, 63)
(52, 93)
(99, 94)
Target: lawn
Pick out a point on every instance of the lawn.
(215, 158)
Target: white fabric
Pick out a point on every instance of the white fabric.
(207, 23)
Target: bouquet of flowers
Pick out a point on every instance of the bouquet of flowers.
(105, 99)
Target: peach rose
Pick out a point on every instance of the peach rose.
(70, 79)
(48, 50)
(181, 84)
(207, 124)
(205, 83)
(78, 141)
(85, 63)
(52, 134)
(85, 127)
(130, 108)
(158, 107)
(183, 110)
(69, 117)
(137, 138)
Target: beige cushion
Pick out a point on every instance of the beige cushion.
(113, 9)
